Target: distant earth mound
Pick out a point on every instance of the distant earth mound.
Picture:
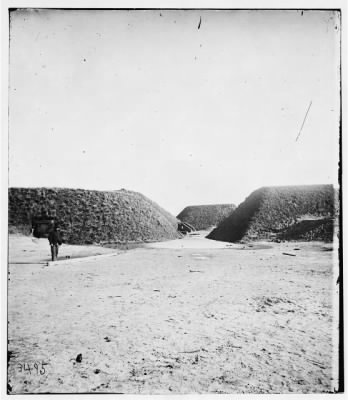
(89, 216)
(205, 216)
(283, 212)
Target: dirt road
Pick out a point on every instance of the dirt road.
(177, 318)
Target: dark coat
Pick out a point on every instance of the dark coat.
(54, 237)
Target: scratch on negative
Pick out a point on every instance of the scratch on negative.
(304, 120)
(200, 21)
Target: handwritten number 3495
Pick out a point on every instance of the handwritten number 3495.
(39, 368)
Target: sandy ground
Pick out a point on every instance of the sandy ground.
(186, 316)
(30, 250)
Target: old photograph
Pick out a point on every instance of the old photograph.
(174, 201)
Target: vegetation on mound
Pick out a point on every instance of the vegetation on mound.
(269, 211)
(89, 216)
(205, 216)
(307, 230)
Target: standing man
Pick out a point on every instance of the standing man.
(55, 240)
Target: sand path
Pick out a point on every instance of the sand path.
(30, 250)
(177, 320)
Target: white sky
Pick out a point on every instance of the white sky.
(146, 101)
